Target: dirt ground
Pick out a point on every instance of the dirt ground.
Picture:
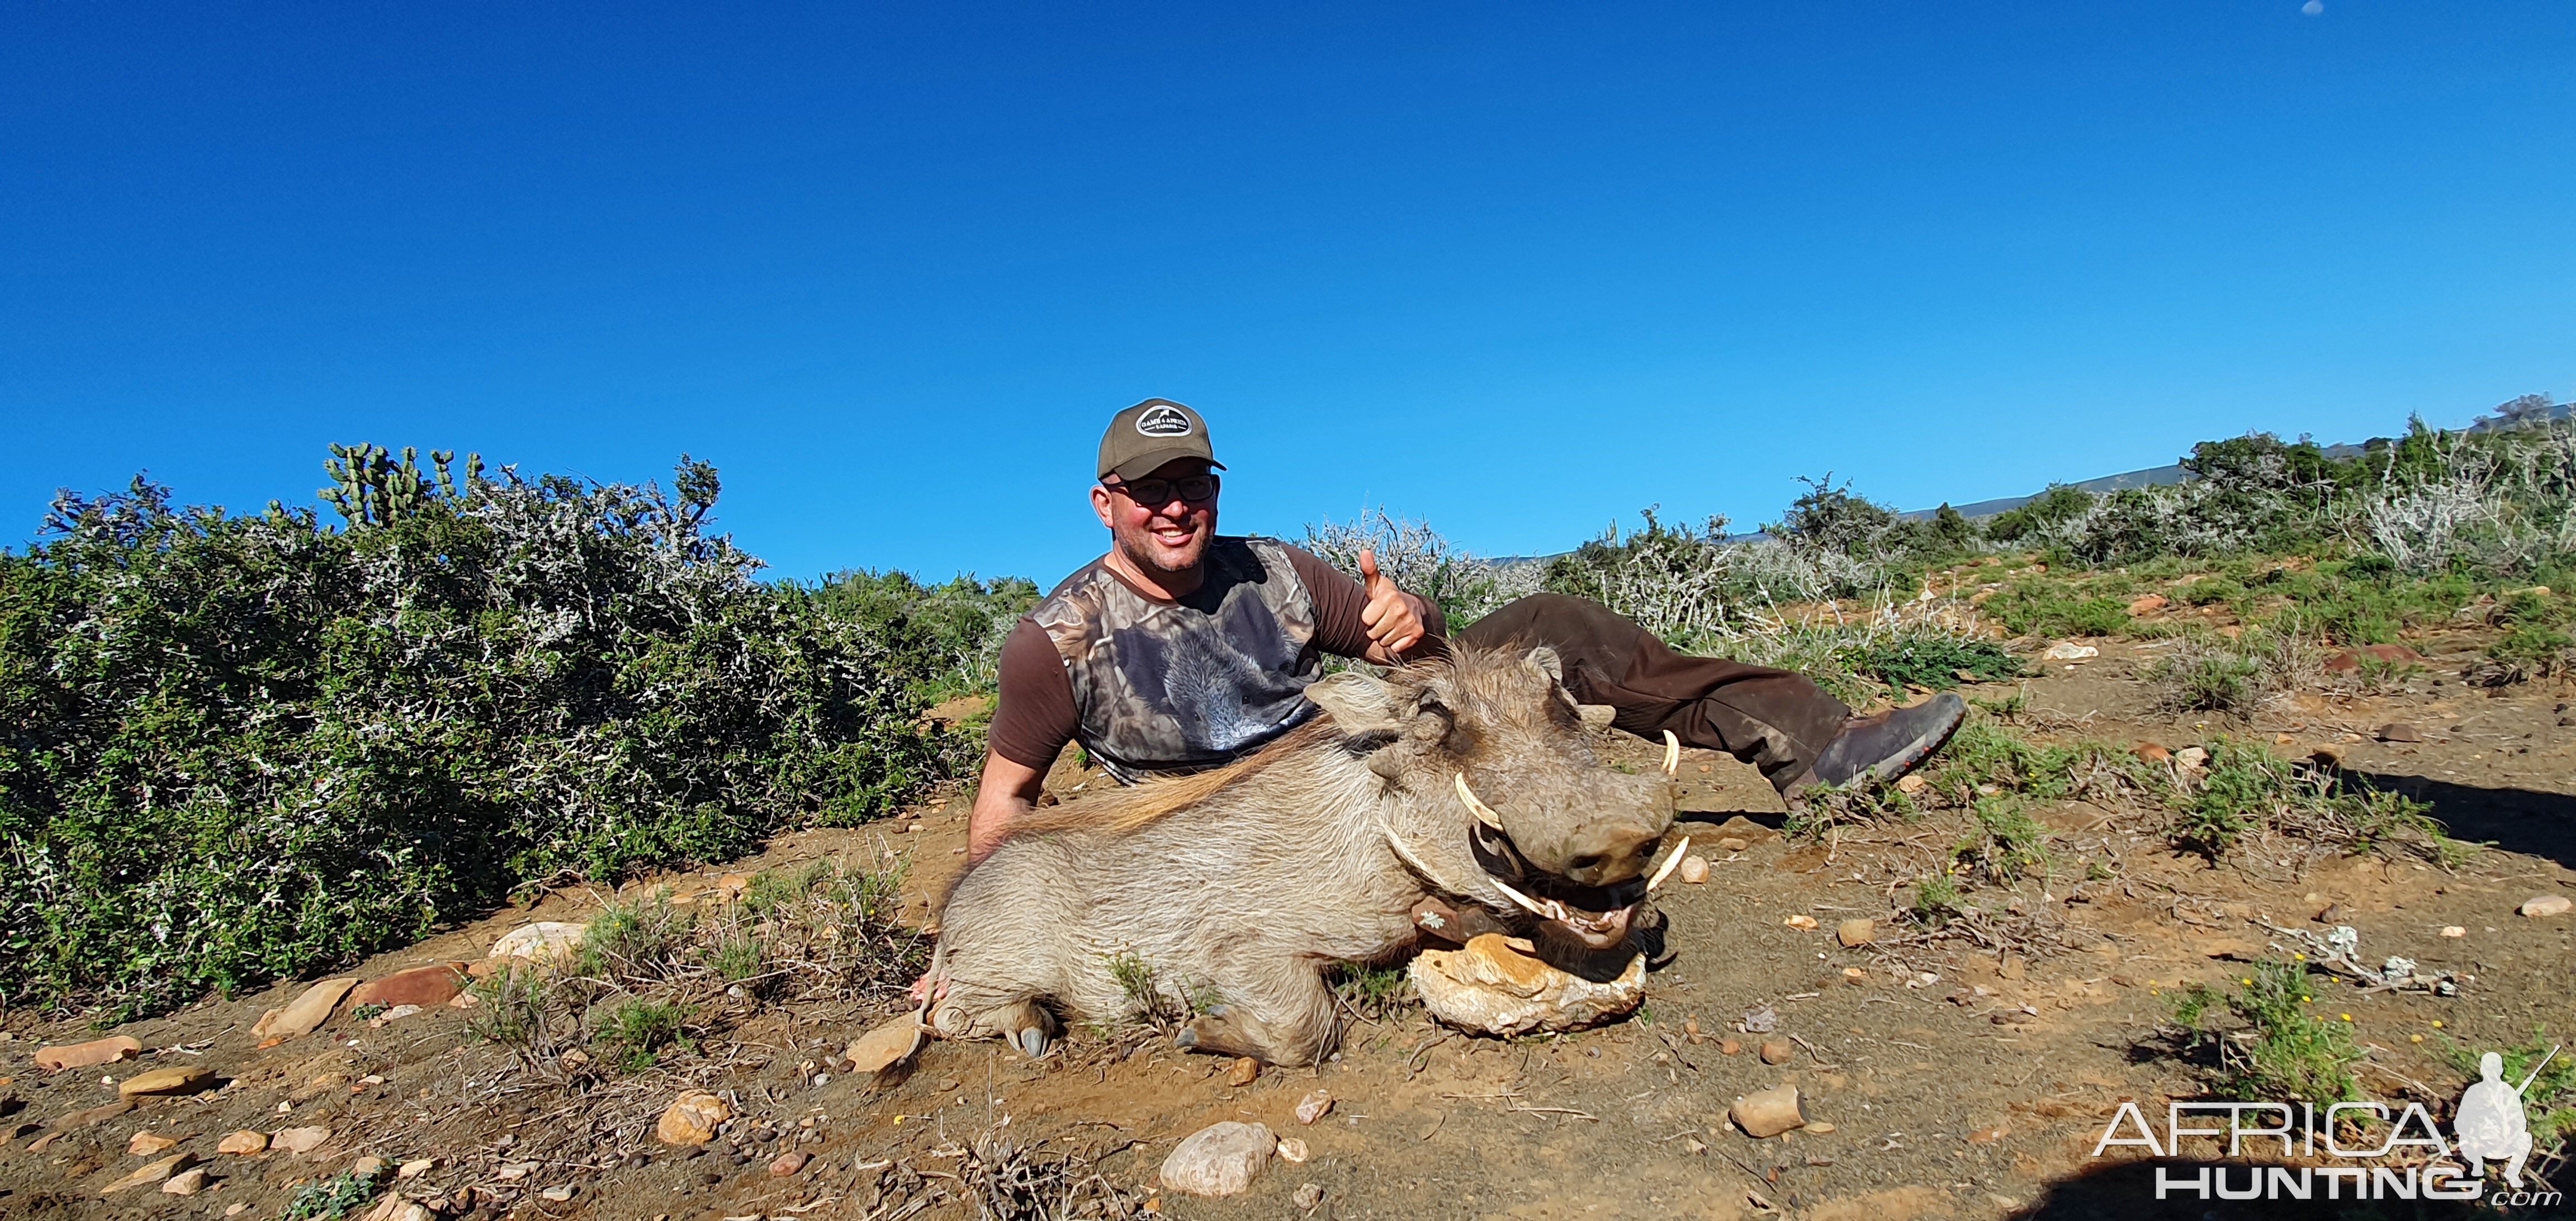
(1957, 1080)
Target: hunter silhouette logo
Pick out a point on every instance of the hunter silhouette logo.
(1163, 420)
(2490, 1124)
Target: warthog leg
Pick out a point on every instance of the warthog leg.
(1024, 1024)
(1279, 1014)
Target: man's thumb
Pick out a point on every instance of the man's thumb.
(1368, 567)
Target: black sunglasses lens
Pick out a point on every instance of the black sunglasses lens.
(1159, 492)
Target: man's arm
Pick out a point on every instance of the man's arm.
(1378, 622)
(1007, 793)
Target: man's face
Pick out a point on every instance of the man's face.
(1170, 535)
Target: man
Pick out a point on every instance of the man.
(1180, 650)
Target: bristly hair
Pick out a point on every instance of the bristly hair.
(1127, 811)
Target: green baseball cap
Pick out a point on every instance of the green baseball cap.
(1150, 434)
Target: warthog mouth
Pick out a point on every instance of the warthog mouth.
(1597, 915)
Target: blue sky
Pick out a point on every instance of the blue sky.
(1516, 270)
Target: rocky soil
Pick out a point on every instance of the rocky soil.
(1964, 1073)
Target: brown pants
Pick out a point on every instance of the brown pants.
(1776, 720)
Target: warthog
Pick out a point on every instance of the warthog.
(1234, 890)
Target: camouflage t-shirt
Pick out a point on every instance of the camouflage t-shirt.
(1150, 686)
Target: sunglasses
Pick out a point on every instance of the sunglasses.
(1155, 493)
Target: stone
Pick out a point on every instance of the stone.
(1855, 976)
(1802, 922)
(166, 1082)
(886, 1045)
(243, 1143)
(2150, 752)
(1729, 1047)
(155, 1172)
(785, 1165)
(2453, 930)
(1820, 1128)
(692, 1119)
(2398, 731)
(89, 1115)
(2140, 608)
(367, 1167)
(1779, 1051)
(395, 1208)
(1856, 932)
(1293, 1150)
(1308, 1196)
(558, 1193)
(149, 1144)
(307, 1011)
(1988, 1136)
(1768, 1113)
(399, 1012)
(300, 1140)
(187, 1182)
(422, 986)
(88, 1055)
(546, 942)
(1910, 784)
(1694, 869)
(1732, 844)
(2068, 650)
(1244, 1071)
(1314, 1106)
(416, 1167)
(1498, 985)
(512, 1172)
(1219, 1160)
(2192, 757)
(2545, 905)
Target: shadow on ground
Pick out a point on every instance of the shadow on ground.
(2516, 820)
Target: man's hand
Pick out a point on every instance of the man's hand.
(1392, 616)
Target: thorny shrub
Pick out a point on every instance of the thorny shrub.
(247, 747)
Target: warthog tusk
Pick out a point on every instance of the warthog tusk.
(1553, 911)
(1672, 754)
(1671, 863)
(1396, 842)
(1483, 813)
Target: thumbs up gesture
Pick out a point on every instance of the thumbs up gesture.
(1392, 616)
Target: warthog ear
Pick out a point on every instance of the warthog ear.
(1548, 662)
(1358, 703)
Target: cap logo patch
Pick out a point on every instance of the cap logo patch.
(1163, 420)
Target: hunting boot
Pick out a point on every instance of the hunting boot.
(1882, 747)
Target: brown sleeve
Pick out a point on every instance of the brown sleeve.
(1339, 599)
(1036, 716)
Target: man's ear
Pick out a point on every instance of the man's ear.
(1358, 703)
(1548, 662)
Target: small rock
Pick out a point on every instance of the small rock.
(1855, 976)
(1732, 844)
(2453, 930)
(1308, 1196)
(1779, 1051)
(1802, 922)
(367, 1167)
(558, 1194)
(1910, 784)
(1988, 1136)
(1694, 869)
(1768, 1113)
(511, 1172)
(1498, 985)
(243, 1143)
(1292, 1150)
(2140, 608)
(2149, 752)
(300, 1140)
(692, 1119)
(88, 1055)
(163, 1082)
(2193, 757)
(1244, 1071)
(1728, 1047)
(187, 1182)
(307, 1011)
(396, 1208)
(2399, 731)
(2545, 905)
(399, 1012)
(1219, 1160)
(886, 1045)
(235, 1210)
(416, 1167)
(156, 1172)
(785, 1165)
(1820, 1128)
(421, 986)
(1856, 932)
(546, 941)
(149, 1144)
(1314, 1106)
(2067, 650)
(91, 1115)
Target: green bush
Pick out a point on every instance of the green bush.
(2282, 1052)
(248, 747)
